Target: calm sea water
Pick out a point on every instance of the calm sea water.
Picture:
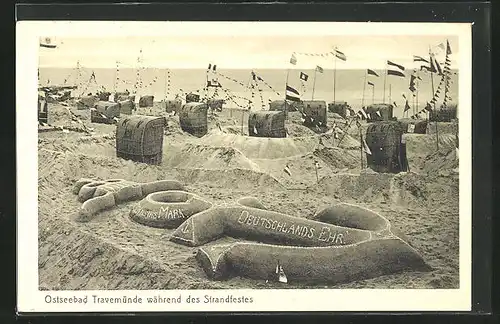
(348, 85)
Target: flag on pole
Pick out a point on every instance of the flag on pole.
(303, 76)
(363, 113)
(395, 73)
(319, 69)
(338, 54)
(293, 59)
(292, 94)
(47, 42)
(371, 72)
(435, 67)
(402, 68)
(448, 48)
(407, 106)
(412, 83)
(417, 58)
(371, 83)
(287, 170)
(209, 66)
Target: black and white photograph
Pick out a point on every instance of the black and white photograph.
(233, 166)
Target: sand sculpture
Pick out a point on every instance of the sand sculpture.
(388, 150)
(345, 243)
(98, 196)
(173, 105)
(267, 124)
(193, 118)
(168, 209)
(140, 138)
(127, 107)
(146, 101)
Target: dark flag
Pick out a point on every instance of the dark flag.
(435, 67)
(293, 59)
(370, 83)
(402, 68)
(428, 107)
(425, 67)
(395, 73)
(215, 67)
(341, 56)
(209, 66)
(448, 48)
(47, 43)
(417, 58)
(371, 72)
(253, 75)
(303, 76)
(412, 83)
(407, 106)
(394, 103)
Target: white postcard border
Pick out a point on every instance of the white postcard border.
(30, 299)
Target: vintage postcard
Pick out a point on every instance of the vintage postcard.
(243, 166)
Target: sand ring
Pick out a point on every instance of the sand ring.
(98, 196)
(333, 250)
(168, 209)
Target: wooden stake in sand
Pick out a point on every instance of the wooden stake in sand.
(361, 147)
(316, 165)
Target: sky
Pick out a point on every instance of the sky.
(244, 51)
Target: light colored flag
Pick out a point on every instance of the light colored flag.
(287, 170)
(378, 113)
(293, 59)
(366, 148)
(281, 274)
(319, 69)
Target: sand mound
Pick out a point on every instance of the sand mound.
(262, 148)
(297, 130)
(337, 158)
(193, 156)
(302, 169)
(422, 147)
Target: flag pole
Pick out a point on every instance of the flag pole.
(334, 72)
(361, 147)
(418, 85)
(385, 80)
(364, 87)
(390, 93)
(286, 85)
(434, 104)
(373, 94)
(314, 83)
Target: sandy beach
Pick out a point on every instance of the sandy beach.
(113, 252)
